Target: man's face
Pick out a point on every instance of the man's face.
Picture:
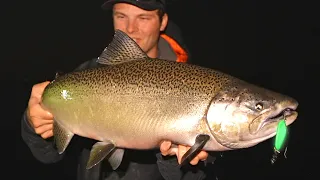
(141, 25)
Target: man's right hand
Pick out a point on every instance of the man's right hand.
(40, 119)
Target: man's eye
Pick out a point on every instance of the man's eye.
(144, 18)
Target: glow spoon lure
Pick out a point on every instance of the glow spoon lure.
(280, 139)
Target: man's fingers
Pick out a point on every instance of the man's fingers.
(44, 128)
(37, 123)
(166, 148)
(47, 134)
(202, 155)
(171, 151)
(39, 113)
(194, 161)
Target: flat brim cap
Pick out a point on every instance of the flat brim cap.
(148, 5)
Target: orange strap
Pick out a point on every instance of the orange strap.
(182, 55)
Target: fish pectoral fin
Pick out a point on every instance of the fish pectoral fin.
(116, 158)
(62, 137)
(200, 141)
(121, 49)
(98, 152)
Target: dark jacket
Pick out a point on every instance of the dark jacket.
(142, 165)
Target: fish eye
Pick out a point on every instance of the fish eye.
(259, 106)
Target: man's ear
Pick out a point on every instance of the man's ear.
(164, 22)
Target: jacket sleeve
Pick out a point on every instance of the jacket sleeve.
(169, 169)
(42, 149)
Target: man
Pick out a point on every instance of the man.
(144, 21)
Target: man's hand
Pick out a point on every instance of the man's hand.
(179, 151)
(39, 119)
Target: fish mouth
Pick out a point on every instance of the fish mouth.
(288, 114)
(267, 122)
(267, 128)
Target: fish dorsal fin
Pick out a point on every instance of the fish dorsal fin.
(121, 49)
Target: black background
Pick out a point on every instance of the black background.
(274, 44)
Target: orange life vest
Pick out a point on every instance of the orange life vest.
(181, 54)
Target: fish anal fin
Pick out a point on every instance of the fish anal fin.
(116, 158)
(200, 141)
(62, 137)
(98, 152)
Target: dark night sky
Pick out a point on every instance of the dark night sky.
(270, 43)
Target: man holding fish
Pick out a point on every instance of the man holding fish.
(144, 21)
(141, 96)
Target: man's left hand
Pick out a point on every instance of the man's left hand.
(179, 151)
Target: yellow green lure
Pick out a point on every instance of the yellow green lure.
(280, 139)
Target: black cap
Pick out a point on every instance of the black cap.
(148, 5)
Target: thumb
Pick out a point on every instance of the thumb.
(36, 92)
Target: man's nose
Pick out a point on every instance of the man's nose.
(132, 26)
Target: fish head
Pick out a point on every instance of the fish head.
(244, 115)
